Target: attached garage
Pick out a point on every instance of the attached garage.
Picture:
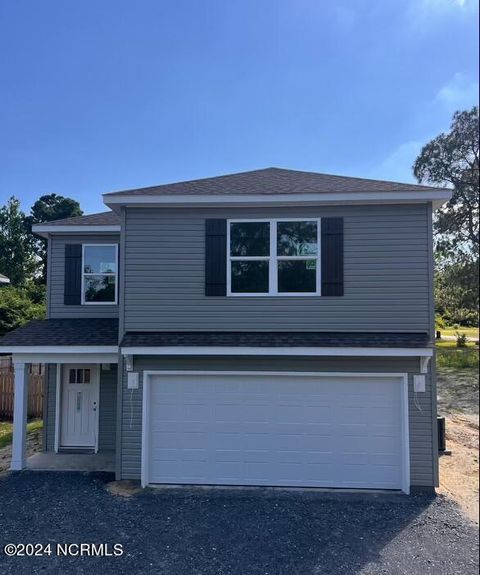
(337, 430)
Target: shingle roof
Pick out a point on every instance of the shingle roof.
(272, 181)
(274, 339)
(78, 332)
(101, 219)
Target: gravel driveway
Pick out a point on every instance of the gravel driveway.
(244, 532)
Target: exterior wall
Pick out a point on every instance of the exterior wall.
(386, 277)
(107, 414)
(423, 456)
(50, 407)
(107, 424)
(56, 277)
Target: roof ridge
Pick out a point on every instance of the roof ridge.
(329, 179)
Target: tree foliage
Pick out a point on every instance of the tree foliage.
(456, 292)
(452, 159)
(19, 305)
(46, 209)
(17, 259)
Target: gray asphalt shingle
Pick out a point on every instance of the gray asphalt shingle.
(273, 181)
(84, 332)
(274, 339)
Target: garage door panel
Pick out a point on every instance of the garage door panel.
(274, 430)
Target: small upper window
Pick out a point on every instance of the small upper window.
(79, 376)
(99, 274)
(276, 257)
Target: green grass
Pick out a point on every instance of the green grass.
(6, 430)
(468, 331)
(439, 344)
(451, 356)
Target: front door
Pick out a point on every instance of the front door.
(79, 421)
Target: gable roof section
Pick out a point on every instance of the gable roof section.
(276, 185)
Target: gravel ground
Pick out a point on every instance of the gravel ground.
(205, 531)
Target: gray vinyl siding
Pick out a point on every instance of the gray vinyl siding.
(56, 275)
(386, 273)
(107, 407)
(422, 459)
(50, 407)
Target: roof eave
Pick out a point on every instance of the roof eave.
(437, 197)
(44, 230)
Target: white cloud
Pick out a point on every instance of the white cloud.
(459, 93)
(397, 166)
(423, 14)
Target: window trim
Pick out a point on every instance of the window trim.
(273, 259)
(115, 302)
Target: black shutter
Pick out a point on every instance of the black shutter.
(73, 274)
(215, 257)
(332, 256)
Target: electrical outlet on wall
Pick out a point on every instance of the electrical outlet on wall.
(132, 380)
(419, 383)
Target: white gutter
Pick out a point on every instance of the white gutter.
(210, 200)
(77, 349)
(282, 351)
(45, 229)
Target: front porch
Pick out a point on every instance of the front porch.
(79, 415)
(51, 461)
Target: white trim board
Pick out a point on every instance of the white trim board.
(66, 357)
(283, 351)
(403, 377)
(45, 229)
(81, 349)
(178, 200)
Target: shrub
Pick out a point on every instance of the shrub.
(461, 339)
(16, 308)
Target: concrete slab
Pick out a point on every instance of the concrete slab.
(48, 461)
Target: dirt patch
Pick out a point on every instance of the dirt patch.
(458, 402)
(459, 471)
(124, 488)
(34, 444)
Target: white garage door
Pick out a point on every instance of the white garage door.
(322, 431)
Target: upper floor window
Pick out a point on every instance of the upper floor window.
(273, 257)
(99, 274)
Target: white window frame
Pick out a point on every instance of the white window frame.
(273, 259)
(115, 302)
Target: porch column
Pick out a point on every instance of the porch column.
(20, 407)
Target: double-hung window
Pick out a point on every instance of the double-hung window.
(273, 257)
(99, 274)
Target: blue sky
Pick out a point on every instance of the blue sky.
(102, 95)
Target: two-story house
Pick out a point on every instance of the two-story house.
(272, 327)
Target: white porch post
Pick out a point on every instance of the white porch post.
(20, 407)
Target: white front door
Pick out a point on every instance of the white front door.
(79, 421)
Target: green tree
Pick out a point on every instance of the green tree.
(17, 260)
(456, 292)
(17, 307)
(46, 209)
(453, 159)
